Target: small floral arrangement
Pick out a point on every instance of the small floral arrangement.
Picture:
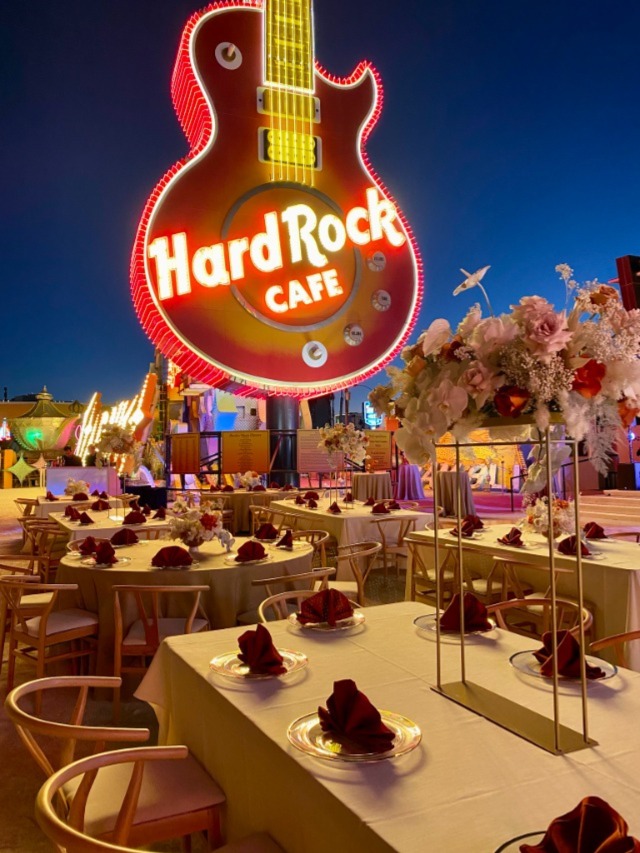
(116, 439)
(195, 525)
(581, 362)
(536, 519)
(247, 480)
(345, 439)
(75, 487)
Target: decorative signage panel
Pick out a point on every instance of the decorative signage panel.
(245, 450)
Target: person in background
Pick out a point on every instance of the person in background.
(69, 458)
(90, 458)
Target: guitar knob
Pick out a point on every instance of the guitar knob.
(353, 334)
(229, 55)
(381, 300)
(314, 354)
(377, 262)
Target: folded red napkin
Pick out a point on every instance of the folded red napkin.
(274, 485)
(370, 502)
(105, 555)
(466, 529)
(475, 520)
(103, 495)
(308, 496)
(380, 509)
(286, 541)
(350, 715)
(135, 504)
(568, 657)
(393, 505)
(87, 546)
(475, 615)
(227, 489)
(592, 530)
(568, 546)
(592, 827)
(287, 488)
(267, 531)
(135, 517)
(100, 505)
(95, 493)
(51, 497)
(124, 537)
(259, 653)
(71, 513)
(80, 496)
(145, 510)
(85, 518)
(161, 513)
(312, 503)
(513, 538)
(250, 551)
(259, 488)
(213, 488)
(299, 500)
(328, 605)
(348, 498)
(172, 556)
(334, 508)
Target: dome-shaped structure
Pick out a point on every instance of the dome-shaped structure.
(44, 427)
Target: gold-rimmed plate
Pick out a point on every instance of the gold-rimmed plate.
(229, 665)
(354, 621)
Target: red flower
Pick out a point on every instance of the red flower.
(510, 400)
(448, 351)
(587, 380)
(208, 521)
(628, 413)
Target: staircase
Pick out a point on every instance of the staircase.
(612, 508)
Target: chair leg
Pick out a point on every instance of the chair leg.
(11, 663)
(214, 830)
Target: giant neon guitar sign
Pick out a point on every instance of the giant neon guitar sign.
(273, 256)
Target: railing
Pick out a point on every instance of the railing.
(562, 490)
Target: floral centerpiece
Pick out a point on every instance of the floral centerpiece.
(581, 362)
(344, 438)
(536, 519)
(116, 439)
(195, 525)
(247, 480)
(76, 487)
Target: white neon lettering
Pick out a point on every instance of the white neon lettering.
(302, 234)
(167, 264)
(209, 267)
(331, 283)
(335, 242)
(381, 216)
(355, 215)
(265, 251)
(315, 285)
(237, 250)
(270, 299)
(297, 295)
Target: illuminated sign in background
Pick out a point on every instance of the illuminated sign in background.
(273, 256)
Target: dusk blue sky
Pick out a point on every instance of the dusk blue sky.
(510, 136)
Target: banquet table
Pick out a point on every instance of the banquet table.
(447, 492)
(374, 485)
(106, 523)
(45, 507)
(240, 500)
(409, 486)
(230, 590)
(467, 788)
(611, 576)
(353, 524)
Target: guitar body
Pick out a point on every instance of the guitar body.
(221, 319)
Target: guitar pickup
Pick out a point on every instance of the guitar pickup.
(296, 106)
(290, 147)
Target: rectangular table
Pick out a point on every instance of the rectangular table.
(106, 523)
(468, 787)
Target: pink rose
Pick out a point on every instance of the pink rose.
(492, 334)
(547, 334)
(530, 308)
(479, 382)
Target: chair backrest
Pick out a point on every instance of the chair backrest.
(12, 589)
(148, 604)
(392, 530)
(68, 831)
(26, 506)
(310, 578)
(567, 613)
(618, 641)
(625, 534)
(66, 735)
(279, 604)
(359, 557)
(318, 539)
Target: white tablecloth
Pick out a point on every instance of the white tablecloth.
(470, 785)
(45, 507)
(106, 523)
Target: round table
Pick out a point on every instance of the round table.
(376, 485)
(409, 485)
(230, 590)
(447, 492)
(240, 500)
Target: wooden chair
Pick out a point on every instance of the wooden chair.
(36, 600)
(533, 616)
(26, 506)
(392, 532)
(39, 628)
(145, 633)
(150, 533)
(501, 584)
(282, 604)
(318, 539)
(625, 534)
(423, 577)
(359, 557)
(619, 642)
(50, 545)
(314, 580)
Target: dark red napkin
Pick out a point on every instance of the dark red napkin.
(85, 518)
(311, 496)
(105, 555)
(259, 653)
(213, 488)
(250, 551)
(161, 513)
(475, 615)
(227, 489)
(568, 657)
(299, 500)
(380, 509)
(103, 495)
(87, 546)
(124, 537)
(334, 508)
(328, 605)
(592, 530)
(71, 513)
(267, 531)
(95, 493)
(172, 556)
(466, 529)
(393, 505)
(513, 538)
(135, 504)
(370, 502)
(287, 488)
(80, 496)
(51, 497)
(274, 485)
(135, 517)
(286, 541)
(312, 503)
(145, 510)
(100, 505)
(259, 488)
(348, 498)
(350, 715)
(568, 546)
(592, 827)
(475, 520)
